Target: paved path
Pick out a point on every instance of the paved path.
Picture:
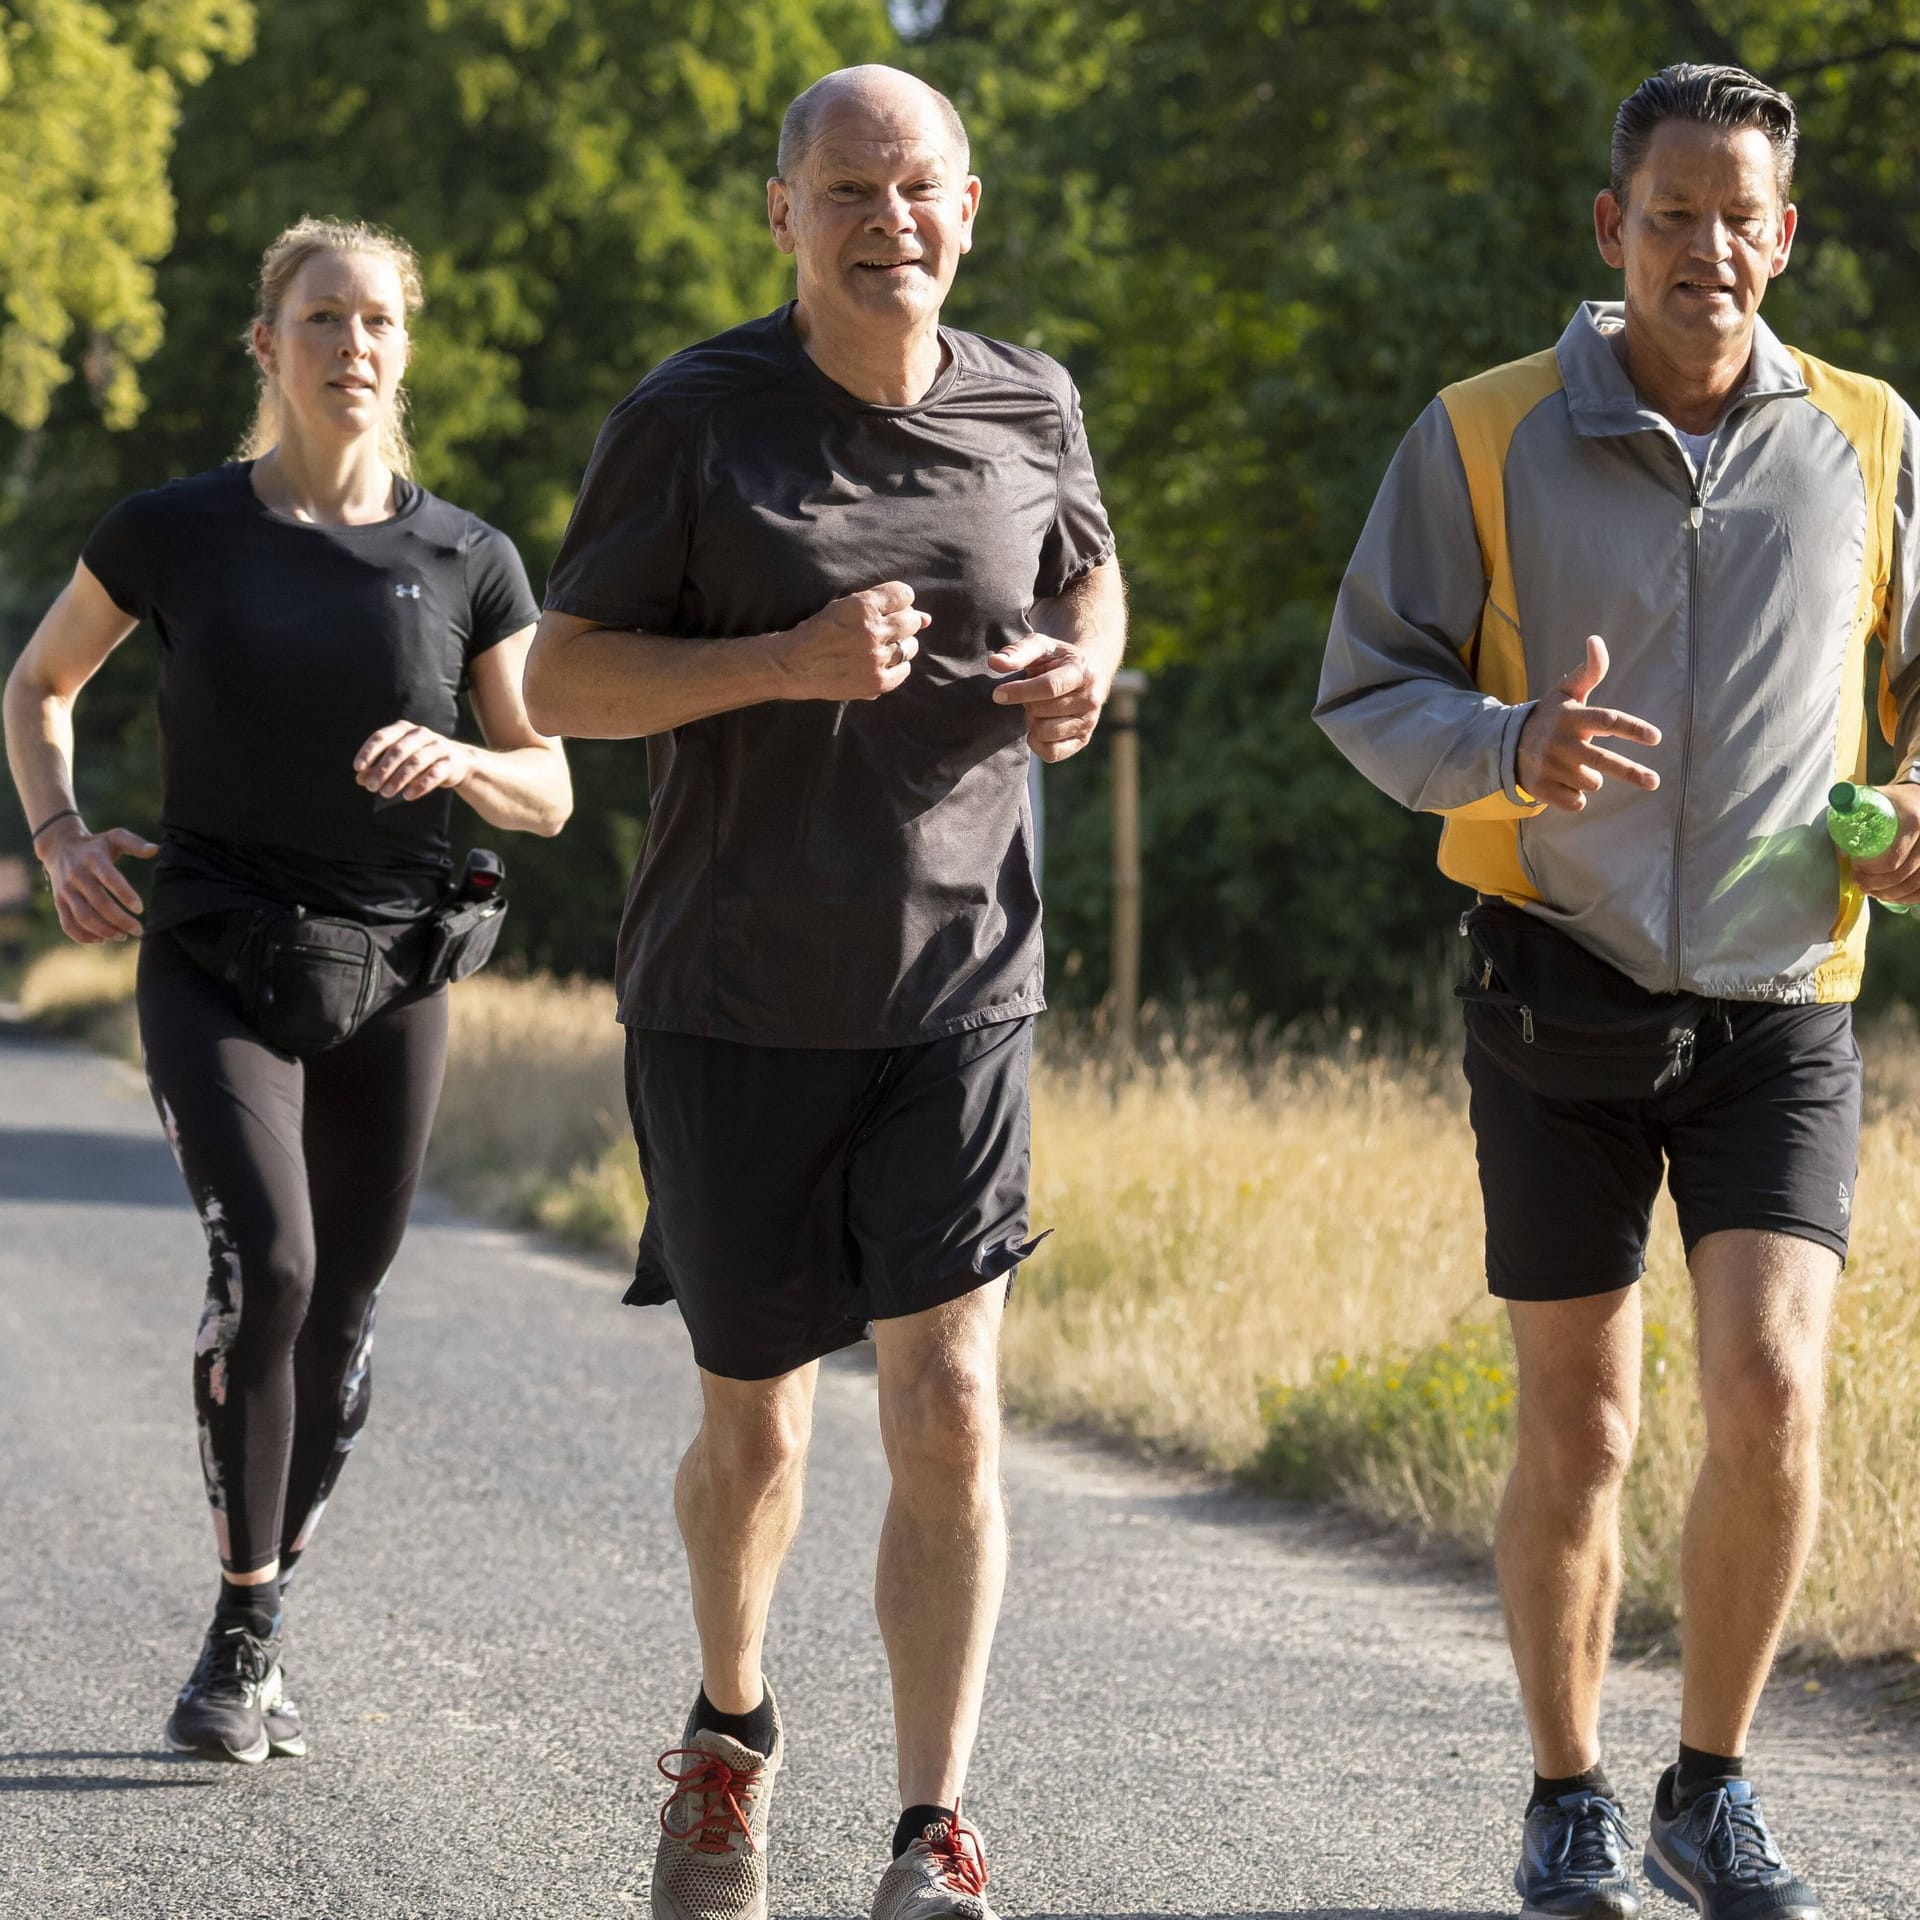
(1202, 1704)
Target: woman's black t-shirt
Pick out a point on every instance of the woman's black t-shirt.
(283, 645)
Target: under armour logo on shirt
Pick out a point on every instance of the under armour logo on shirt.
(1846, 1203)
(407, 591)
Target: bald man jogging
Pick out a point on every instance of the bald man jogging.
(1611, 618)
(846, 569)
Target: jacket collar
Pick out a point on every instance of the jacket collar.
(1602, 400)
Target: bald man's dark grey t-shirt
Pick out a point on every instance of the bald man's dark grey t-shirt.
(818, 874)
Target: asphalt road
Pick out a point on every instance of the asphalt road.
(1202, 1704)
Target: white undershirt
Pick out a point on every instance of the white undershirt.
(1699, 446)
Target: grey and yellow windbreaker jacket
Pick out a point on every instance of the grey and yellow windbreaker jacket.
(1543, 502)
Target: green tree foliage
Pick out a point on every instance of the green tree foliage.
(89, 98)
(1264, 235)
(584, 182)
(1262, 232)
(1310, 215)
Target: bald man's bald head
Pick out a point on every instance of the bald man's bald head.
(877, 88)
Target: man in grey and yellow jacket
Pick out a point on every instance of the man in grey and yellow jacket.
(1675, 513)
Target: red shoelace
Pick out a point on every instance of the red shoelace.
(956, 1846)
(716, 1787)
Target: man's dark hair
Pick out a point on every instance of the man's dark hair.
(1727, 97)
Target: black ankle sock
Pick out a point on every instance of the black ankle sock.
(913, 1823)
(753, 1730)
(1594, 1780)
(256, 1607)
(1698, 1771)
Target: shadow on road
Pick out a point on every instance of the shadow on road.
(181, 1773)
(94, 1782)
(56, 1165)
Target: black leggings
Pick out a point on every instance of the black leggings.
(302, 1171)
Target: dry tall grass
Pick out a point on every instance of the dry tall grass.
(1211, 1237)
(533, 1099)
(85, 992)
(1289, 1279)
(1238, 1260)
(1278, 1273)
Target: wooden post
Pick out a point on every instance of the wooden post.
(1122, 720)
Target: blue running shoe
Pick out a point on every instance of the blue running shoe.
(1573, 1862)
(1718, 1856)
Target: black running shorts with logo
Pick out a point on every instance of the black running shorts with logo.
(795, 1194)
(1765, 1133)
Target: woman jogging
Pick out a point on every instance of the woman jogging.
(317, 614)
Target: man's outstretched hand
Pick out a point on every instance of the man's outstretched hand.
(1557, 761)
(1895, 875)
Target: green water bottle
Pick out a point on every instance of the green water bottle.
(1863, 825)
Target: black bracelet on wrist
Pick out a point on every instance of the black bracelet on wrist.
(52, 819)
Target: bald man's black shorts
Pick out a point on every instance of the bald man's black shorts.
(795, 1194)
(1763, 1133)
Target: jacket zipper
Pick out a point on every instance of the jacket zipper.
(1695, 514)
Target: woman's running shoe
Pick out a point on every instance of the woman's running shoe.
(286, 1738)
(220, 1714)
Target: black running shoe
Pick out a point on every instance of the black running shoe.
(220, 1713)
(286, 1738)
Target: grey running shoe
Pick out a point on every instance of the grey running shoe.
(219, 1714)
(1718, 1856)
(941, 1876)
(711, 1863)
(1573, 1862)
(286, 1738)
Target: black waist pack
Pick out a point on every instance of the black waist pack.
(305, 982)
(1563, 1022)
